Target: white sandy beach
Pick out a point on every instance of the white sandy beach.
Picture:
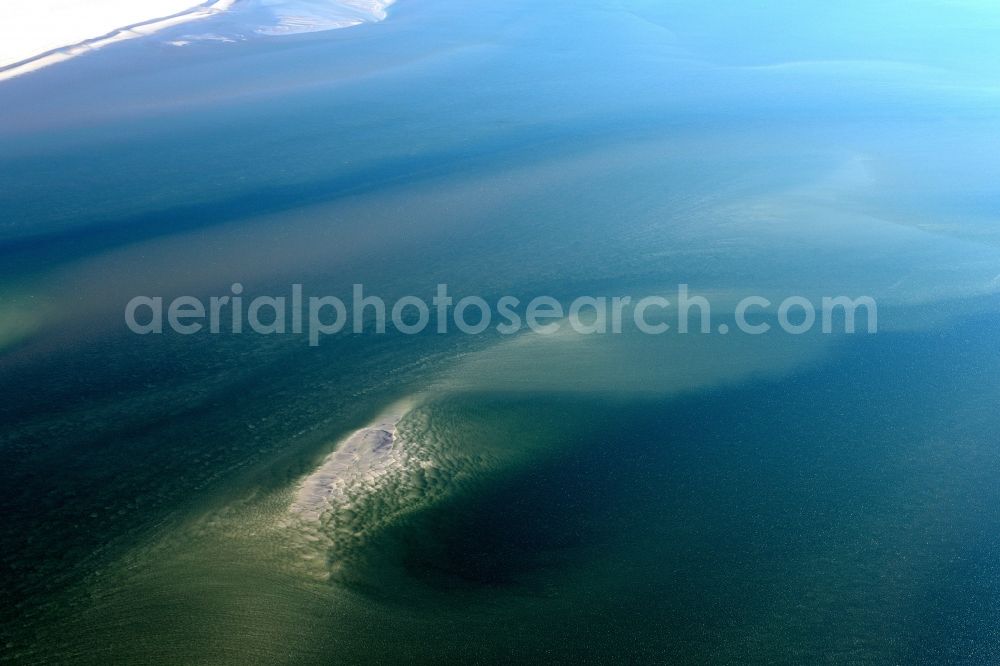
(45, 32)
(32, 28)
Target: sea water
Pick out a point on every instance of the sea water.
(567, 497)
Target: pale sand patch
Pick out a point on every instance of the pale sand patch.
(366, 456)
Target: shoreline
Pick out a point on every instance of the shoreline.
(286, 19)
(120, 34)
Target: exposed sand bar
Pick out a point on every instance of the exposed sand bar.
(297, 16)
(43, 33)
(361, 459)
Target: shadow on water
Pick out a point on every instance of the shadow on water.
(780, 516)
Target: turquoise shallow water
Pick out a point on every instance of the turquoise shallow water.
(567, 498)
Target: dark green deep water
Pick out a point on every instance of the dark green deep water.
(773, 499)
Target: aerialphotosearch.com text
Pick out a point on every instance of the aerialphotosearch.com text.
(318, 316)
